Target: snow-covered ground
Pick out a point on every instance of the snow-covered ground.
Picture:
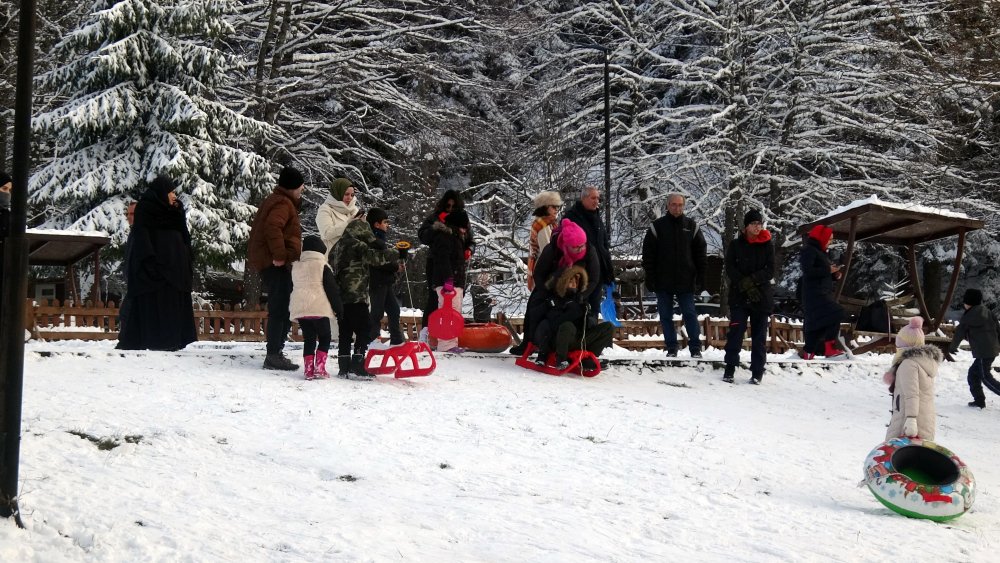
(482, 461)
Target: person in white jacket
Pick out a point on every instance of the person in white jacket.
(913, 411)
(339, 209)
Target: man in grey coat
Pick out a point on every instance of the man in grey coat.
(980, 327)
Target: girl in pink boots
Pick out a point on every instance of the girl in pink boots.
(314, 301)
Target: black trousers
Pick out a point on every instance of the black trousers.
(759, 320)
(430, 304)
(314, 330)
(354, 326)
(980, 373)
(277, 280)
(383, 300)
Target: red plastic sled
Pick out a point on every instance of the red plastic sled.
(446, 323)
(400, 361)
(575, 357)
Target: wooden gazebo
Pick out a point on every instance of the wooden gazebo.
(66, 249)
(899, 224)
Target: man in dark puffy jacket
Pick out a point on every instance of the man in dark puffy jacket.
(980, 326)
(275, 242)
(749, 267)
(673, 257)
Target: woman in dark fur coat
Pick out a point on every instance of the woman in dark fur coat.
(158, 269)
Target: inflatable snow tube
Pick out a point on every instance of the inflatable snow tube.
(920, 479)
(484, 337)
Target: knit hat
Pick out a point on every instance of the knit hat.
(545, 199)
(457, 219)
(821, 233)
(290, 178)
(339, 186)
(4, 178)
(570, 235)
(972, 297)
(909, 336)
(314, 243)
(752, 216)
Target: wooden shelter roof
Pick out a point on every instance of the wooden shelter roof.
(894, 223)
(62, 248)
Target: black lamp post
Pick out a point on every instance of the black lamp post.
(15, 272)
(607, 140)
(607, 126)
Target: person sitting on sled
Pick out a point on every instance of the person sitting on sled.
(569, 249)
(559, 327)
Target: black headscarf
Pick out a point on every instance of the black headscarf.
(154, 211)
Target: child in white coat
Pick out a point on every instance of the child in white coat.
(911, 382)
(315, 299)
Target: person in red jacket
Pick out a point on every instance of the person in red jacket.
(276, 242)
(750, 268)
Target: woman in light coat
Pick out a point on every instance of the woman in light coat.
(339, 209)
(913, 394)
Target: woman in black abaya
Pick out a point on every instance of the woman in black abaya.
(158, 269)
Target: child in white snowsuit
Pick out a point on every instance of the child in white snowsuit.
(911, 382)
(313, 303)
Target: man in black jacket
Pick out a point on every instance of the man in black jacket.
(749, 267)
(673, 257)
(587, 215)
(980, 327)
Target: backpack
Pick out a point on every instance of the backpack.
(874, 317)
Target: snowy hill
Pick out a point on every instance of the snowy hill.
(482, 461)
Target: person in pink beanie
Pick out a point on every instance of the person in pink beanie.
(911, 382)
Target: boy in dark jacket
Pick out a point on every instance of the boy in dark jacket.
(353, 257)
(980, 326)
(567, 309)
(749, 267)
(382, 278)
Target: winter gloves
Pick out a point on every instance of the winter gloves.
(910, 427)
(749, 289)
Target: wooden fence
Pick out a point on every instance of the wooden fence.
(52, 320)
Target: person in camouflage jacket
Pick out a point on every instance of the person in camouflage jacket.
(352, 257)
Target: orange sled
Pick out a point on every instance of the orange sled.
(400, 361)
(484, 337)
(574, 357)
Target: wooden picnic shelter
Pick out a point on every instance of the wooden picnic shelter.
(66, 249)
(905, 225)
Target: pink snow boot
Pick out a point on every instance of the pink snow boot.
(320, 367)
(309, 367)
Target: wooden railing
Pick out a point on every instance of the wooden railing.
(51, 320)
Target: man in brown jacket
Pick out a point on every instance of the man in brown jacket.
(276, 242)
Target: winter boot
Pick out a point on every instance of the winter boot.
(320, 368)
(279, 361)
(830, 349)
(309, 367)
(728, 375)
(344, 366)
(357, 371)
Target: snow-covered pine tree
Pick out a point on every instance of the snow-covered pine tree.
(134, 96)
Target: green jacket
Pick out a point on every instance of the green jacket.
(353, 255)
